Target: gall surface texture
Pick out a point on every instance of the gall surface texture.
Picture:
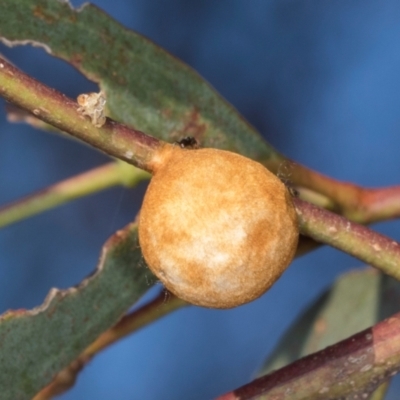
(217, 229)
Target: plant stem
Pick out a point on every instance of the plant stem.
(138, 149)
(355, 366)
(357, 240)
(106, 176)
(380, 392)
(363, 205)
(377, 205)
(135, 147)
(113, 138)
(162, 305)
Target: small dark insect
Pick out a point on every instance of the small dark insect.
(188, 142)
(292, 190)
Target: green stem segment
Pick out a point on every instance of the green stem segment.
(139, 149)
(357, 240)
(136, 148)
(380, 392)
(95, 180)
(47, 104)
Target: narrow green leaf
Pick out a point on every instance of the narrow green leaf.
(146, 87)
(358, 300)
(37, 344)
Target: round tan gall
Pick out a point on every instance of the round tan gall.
(217, 229)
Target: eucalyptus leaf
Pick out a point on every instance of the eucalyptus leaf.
(37, 344)
(356, 301)
(146, 87)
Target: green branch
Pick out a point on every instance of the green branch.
(137, 148)
(95, 180)
(359, 204)
(354, 239)
(50, 106)
(363, 205)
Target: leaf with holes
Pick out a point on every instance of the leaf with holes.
(37, 344)
(146, 87)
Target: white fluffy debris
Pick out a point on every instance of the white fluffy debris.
(92, 105)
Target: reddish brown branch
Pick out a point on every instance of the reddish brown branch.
(355, 366)
(363, 205)
(357, 240)
(50, 106)
(378, 205)
(137, 148)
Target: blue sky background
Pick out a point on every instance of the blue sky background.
(319, 79)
